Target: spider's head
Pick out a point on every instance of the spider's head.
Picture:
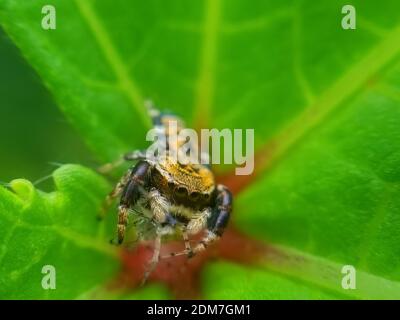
(192, 185)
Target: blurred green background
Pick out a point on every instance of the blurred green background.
(33, 132)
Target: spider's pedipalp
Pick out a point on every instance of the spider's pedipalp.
(198, 223)
(159, 206)
(216, 223)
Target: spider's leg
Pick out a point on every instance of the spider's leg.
(188, 247)
(155, 258)
(216, 222)
(108, 167)
(130, 156)
(135, 155)
(219, 218)
(113, 194)
(153, 112)
(132, 191)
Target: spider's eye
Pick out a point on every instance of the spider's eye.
(171, 185)
(181, 191)
(206, 196)
(194, 196)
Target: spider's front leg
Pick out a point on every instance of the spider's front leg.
(218, 220)
(116, 192)
(131, 193)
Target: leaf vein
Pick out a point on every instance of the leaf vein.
(206, 78)
(112, 56)
(345, 87)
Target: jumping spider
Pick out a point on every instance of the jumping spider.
(173, 198)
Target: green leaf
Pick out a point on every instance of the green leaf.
(337, 194)
(57, 229)
(36, 112)
(150, 292)
(323, 102)
(249, 283)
